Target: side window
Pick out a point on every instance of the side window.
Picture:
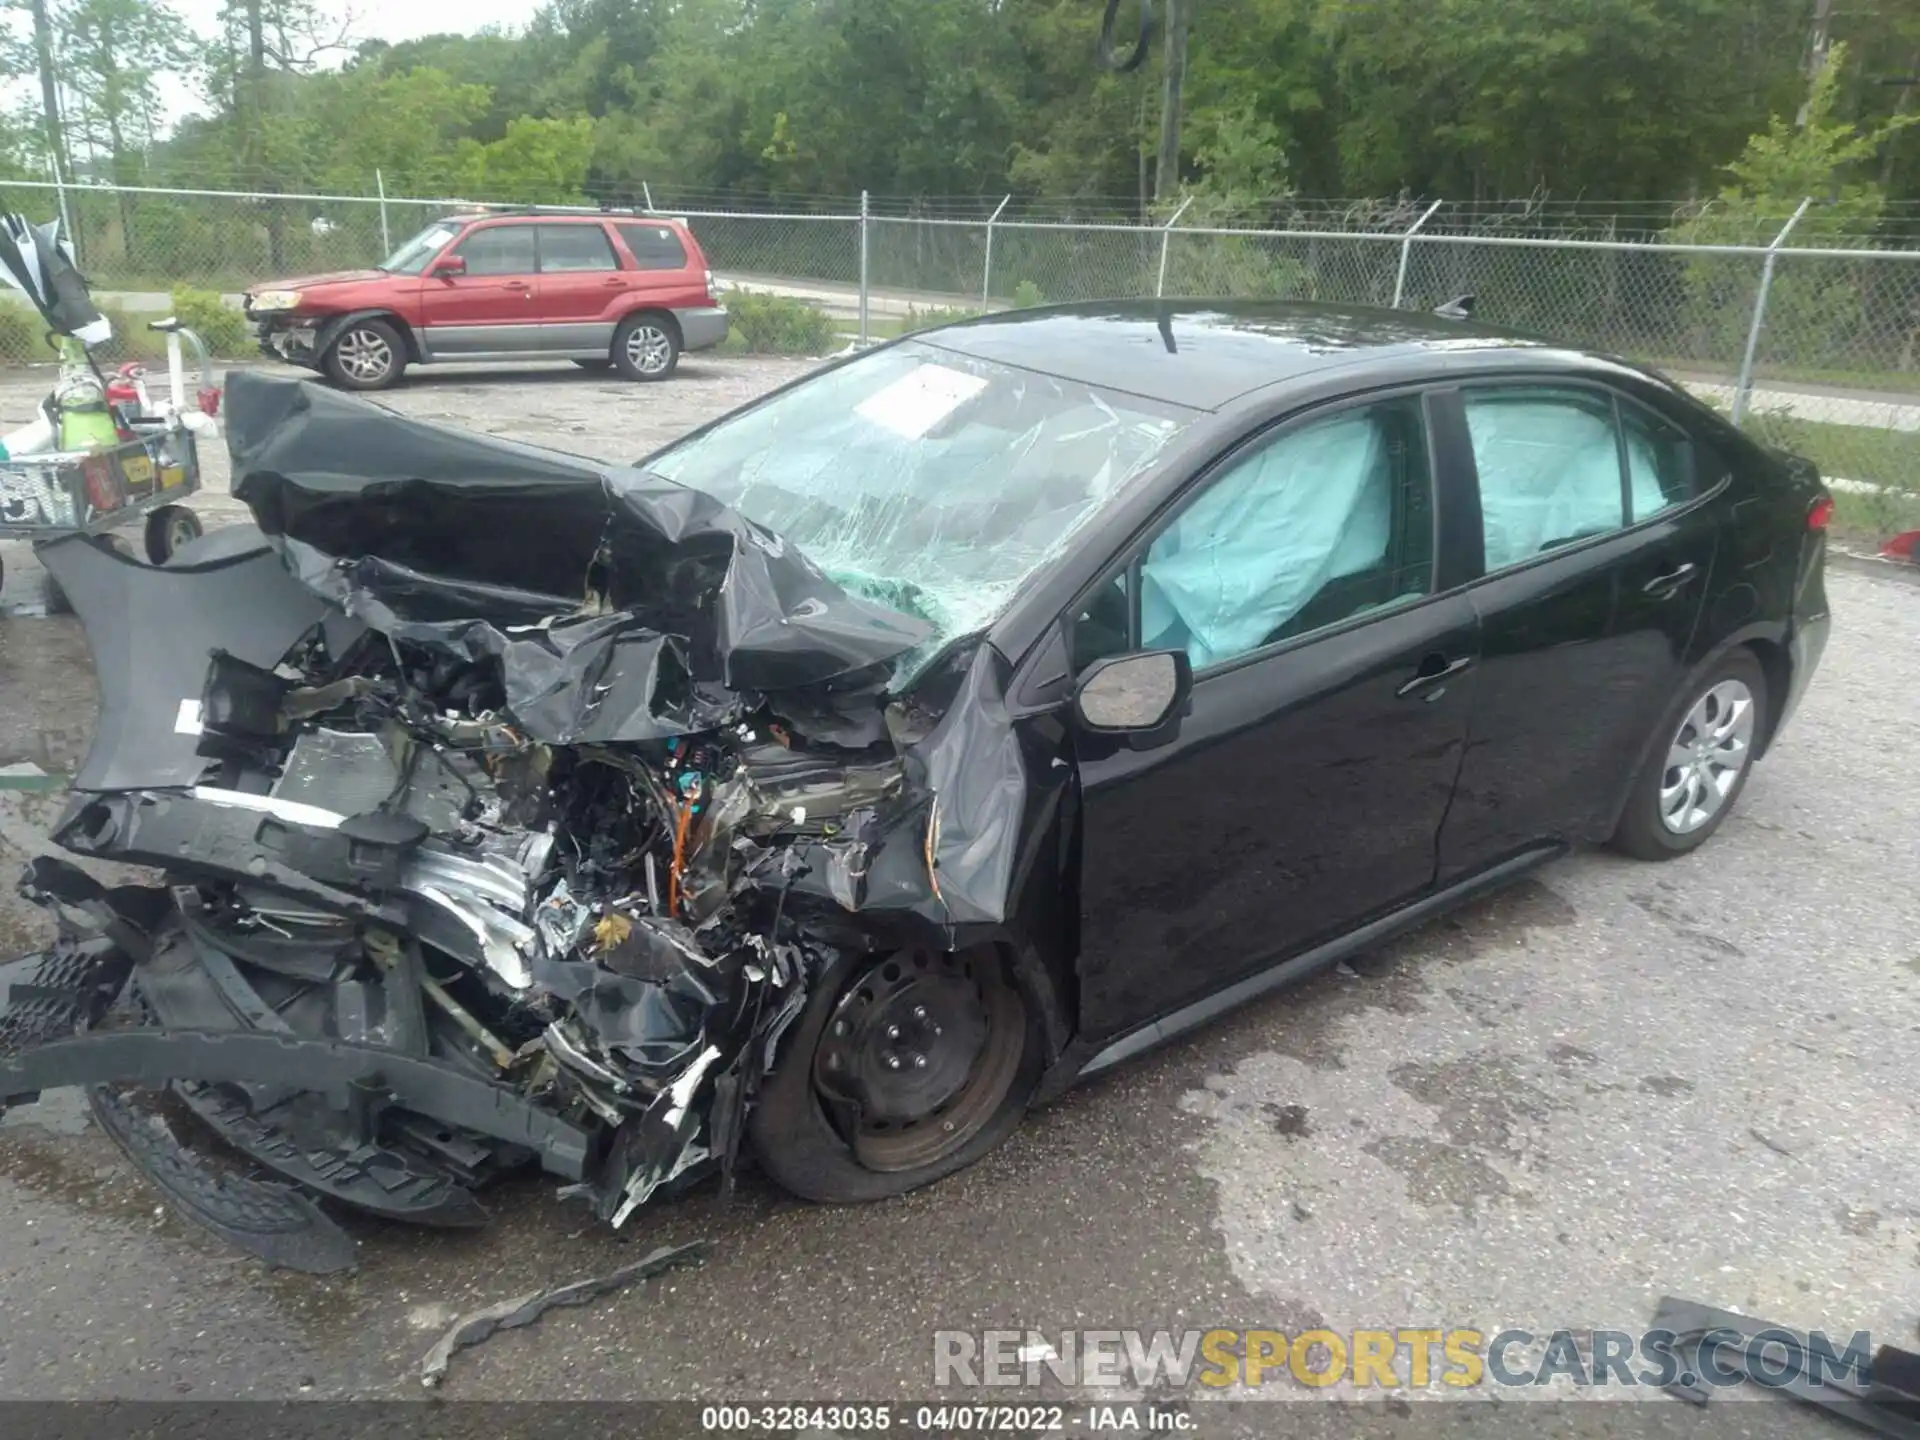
(499, 250)
(654, 247)
(1318, 525)
(565, 248)
(1659, 463)
(1549, 464)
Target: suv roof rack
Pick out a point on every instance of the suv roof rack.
(580, 212)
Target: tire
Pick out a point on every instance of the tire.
(594, 364)
(647, 346)
(169, 529)
(1675, 807)
(366, 355)
(808, 1151)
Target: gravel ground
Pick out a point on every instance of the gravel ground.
(1612, 1082)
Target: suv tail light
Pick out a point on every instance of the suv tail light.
(710, 299)
(1821, 515)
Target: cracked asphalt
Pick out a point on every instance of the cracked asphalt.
(1612, 1082)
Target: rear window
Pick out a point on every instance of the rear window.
(575, 247)
(655, 247)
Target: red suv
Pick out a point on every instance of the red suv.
(631, 291)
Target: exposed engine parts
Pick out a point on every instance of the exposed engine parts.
(461, 870)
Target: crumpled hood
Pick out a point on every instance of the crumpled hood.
(508, 807)
(422, 528)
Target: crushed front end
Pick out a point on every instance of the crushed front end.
(502, 808)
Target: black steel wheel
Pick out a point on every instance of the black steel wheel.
(901, 1070)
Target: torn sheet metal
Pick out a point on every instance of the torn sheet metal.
(507, 808)
(409, 513)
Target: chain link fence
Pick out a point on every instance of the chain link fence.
(1814, 349)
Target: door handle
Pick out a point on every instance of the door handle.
(1661, 586)
(614, 284)
(1432, 671)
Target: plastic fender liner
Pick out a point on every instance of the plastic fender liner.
(151, 631)
(153, 1058)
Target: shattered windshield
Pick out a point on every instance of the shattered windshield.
(928, 481)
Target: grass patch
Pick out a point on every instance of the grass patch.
(1851, 452)
(1874, 518)
(933, 315)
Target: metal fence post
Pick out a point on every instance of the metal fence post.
(1406, 251)
(1743, 387)
(863, 267)
(986, 276)
(1166, 234)
(380, 185)
(646, 191)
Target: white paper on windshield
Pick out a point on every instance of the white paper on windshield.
(915, 403)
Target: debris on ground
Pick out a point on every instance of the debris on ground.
(479, 1325)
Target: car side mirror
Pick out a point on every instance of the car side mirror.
(1140, 696)
(450, 265)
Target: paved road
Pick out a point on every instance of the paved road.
(1613, 1082)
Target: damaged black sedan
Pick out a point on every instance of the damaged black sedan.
(875, 761)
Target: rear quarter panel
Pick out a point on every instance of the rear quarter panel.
(684, 288)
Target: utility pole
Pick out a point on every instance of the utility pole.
(1166, 175)
(49, 85)
(1818, 43)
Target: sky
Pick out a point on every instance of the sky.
(371, 20)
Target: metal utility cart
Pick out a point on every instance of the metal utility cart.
(98, 491)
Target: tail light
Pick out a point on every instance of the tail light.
(710, 299)
(208, 399)
(1821, 515)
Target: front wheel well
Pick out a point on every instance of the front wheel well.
(407, 338)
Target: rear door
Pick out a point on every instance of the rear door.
(582, 287)
(1307, 786)
(493, 307)
(1596, 556)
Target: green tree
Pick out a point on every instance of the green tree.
(1817, 309)
(537, 162)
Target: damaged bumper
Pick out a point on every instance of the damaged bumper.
(474, 853)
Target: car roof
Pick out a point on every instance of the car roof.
(1205, 354)
(564, 217)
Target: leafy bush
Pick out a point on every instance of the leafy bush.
(224, 328)
(131, 338)
(777, 325)
(23, 336)
(933, 315)
(1026, 295)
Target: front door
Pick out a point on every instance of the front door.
(492, 308)
(1307, 786)
(1596, 558)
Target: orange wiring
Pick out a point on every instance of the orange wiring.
(679, 859)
